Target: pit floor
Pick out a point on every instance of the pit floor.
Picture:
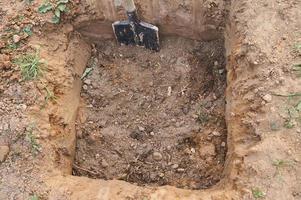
(154, 118)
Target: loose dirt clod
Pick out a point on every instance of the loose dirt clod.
(160, 109)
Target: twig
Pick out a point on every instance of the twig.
(86, 170)
(288, 95)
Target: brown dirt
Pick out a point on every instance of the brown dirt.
(154, 118)
(263, 140)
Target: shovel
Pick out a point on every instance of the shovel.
(135, 32)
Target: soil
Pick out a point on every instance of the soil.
(154, 118)
(262, 109)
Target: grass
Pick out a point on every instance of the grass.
(31, 65)
(49, 97)
(280, 163)
(34, 197)
(35, 146)
(293, 109)
(257, 193)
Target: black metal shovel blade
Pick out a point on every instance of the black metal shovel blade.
(141, 34)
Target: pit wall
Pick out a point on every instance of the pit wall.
(196, 19)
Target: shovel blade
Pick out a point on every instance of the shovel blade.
(140, 34)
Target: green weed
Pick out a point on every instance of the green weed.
(27, 30)
(293, 109)
(298, 47)
(35, 146)
(34, 197)
(31, 65)
(57, 8)
(280, 163)
(49, 97)
(257, 193)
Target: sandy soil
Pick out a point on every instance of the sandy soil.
(37, 140)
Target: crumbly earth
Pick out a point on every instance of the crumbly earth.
(154, 118)
(262, 40)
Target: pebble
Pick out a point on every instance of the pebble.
(88, 81)
(4, 150)
(267, 98)
(152, 134)
(85, 87)
(216, 133)
(192, 150)
(141, 128)
(157, 156)
(175, 166)
(104, 163)
(223, 144)
(16, 38)
(180, 170)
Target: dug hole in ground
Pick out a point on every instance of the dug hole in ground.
(213, 115)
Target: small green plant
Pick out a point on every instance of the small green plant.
(297, 69)
(49, 97)
(31, 65)
(274, 126)
(289, 122)
(57, 8)
(35, 146)
(298, 47)
(279, 163)
(29, 2)
(34, 197)
(27, 30)
(257, 193)
(44, 8)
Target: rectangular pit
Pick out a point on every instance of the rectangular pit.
(153, 118)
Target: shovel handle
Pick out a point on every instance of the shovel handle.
(129, 5)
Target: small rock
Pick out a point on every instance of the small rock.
(157, 156)
(152, 134)
(168, 148)
(216, 133)
(267, 98)
(88, 81)
(85, 87)
(162, 175)
(223, 144)
(16, 38)
(215, 63)
(192, 150)
(4, 150)
(180, 170)
(104, 163)
(138, 135)
(169, 91)
(175, 166)
(141, 128)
